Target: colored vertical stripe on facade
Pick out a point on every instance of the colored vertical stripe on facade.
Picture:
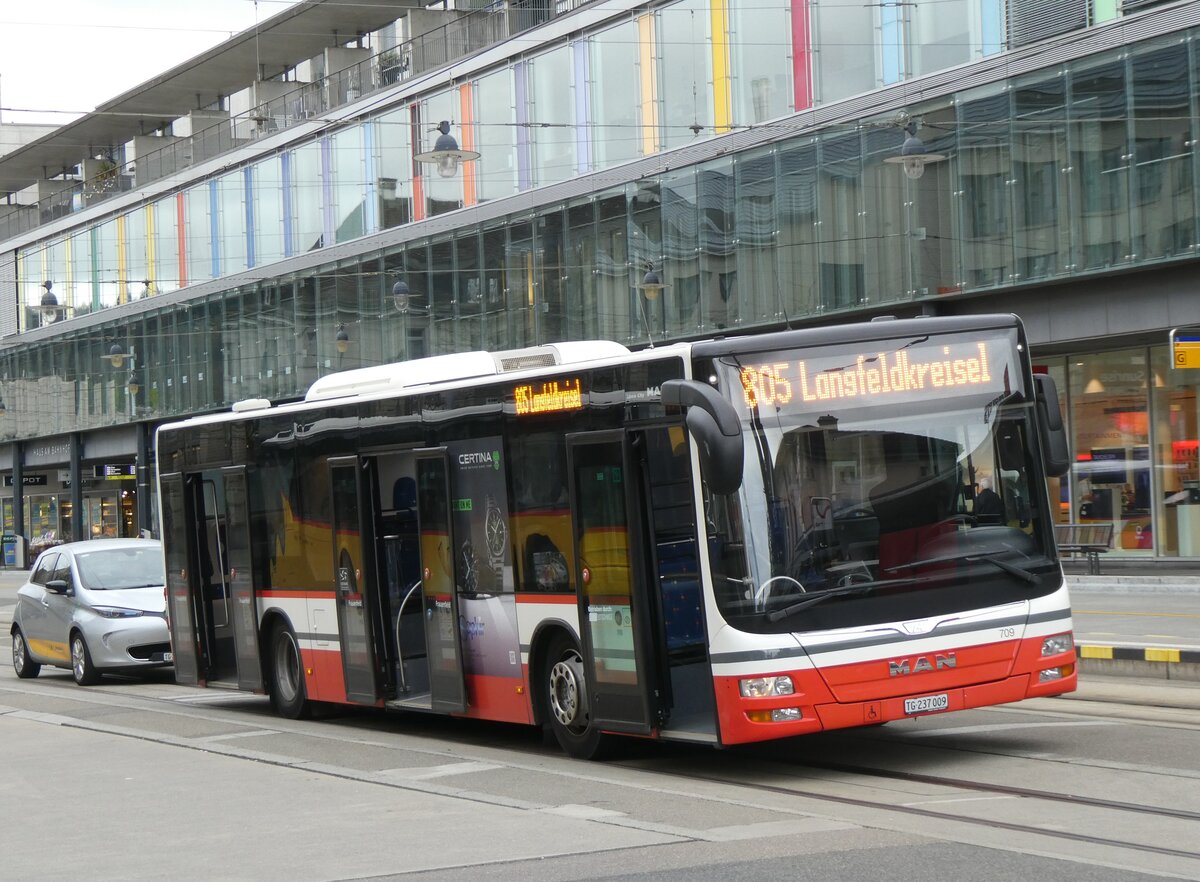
(371, 206)
(583, 103)
(414, 113)
(466, 131)
(327, 210)
(891, 43)
(991, 26)
(1103, 10)
(214, 228)
(285, 166)
(94, 236)
(181, 238)
(151, 247)
(647, 80)
(802, 85)
(524, 153)
(122, 261)
(722, 108)
(248, 189)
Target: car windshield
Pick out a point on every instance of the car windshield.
(859, 508)
(111, 569)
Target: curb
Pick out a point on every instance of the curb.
(1154, 662)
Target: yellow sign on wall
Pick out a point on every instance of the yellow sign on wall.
(1185, 348)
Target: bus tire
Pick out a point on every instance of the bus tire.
(288, 695)
(567, 703)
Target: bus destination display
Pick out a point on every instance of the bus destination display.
(552, 396)
(909, 373)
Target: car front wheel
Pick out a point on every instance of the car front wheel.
(25, 666)
(81, 662)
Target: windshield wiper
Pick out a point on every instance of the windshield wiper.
(973, 557)
(843, 591)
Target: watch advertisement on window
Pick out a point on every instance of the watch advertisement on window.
(482, 558)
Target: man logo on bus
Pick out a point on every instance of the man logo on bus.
(921, 664)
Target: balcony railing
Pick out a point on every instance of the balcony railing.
(431, 50)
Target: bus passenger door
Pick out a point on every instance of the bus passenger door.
(439, 596)
(189, 655)
(241, 579)
(613, 610)
(350, 576)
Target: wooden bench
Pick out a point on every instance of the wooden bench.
(1090, 540)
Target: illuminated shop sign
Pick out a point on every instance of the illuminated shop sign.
(552, 396)
(909, 373)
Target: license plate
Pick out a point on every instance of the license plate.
(926, 704)
(168, 656)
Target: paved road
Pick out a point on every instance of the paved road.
(142, 779)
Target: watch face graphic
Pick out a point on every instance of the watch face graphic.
(470, 568)
(497, 533)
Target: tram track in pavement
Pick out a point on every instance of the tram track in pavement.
(966, 787)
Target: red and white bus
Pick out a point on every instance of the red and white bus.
(723, 541)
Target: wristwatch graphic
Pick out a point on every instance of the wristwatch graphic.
(495, 532)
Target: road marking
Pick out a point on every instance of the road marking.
(231, 735)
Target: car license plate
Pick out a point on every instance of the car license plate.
(168, 656)
(926, 704)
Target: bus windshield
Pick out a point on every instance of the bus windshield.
(889, 484)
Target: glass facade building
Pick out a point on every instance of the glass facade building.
(762, 185)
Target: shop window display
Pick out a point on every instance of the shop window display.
(1111, 477)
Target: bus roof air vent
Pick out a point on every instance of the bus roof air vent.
(511, 361)
(250, 404)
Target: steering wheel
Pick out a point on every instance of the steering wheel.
(764, 590)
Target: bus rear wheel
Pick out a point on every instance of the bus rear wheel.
(567, 702)
(288, 695)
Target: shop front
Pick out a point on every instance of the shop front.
(58, 502)
(1134, 428)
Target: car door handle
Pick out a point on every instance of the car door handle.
(45, 603)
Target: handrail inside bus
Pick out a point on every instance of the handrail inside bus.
(399, 646)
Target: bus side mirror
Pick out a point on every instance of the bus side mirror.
(718, 432)
(1056, 451)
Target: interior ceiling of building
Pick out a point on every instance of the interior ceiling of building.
(298, 33)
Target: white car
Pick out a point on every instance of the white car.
(93, 607)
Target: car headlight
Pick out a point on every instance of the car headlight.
(762, 687)
(116, 612)
(1057, 644)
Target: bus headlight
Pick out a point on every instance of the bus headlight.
(763, 687)
(1058, 644)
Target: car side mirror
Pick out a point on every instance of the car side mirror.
(59, 586)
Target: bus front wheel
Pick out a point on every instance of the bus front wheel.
(567, 701)
(288, 695)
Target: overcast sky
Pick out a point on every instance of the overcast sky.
(70, 55)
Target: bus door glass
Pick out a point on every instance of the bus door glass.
(189, 661)
(354, 625)
(240, 582)
(210, 528)
(612, 600)
(438, 595)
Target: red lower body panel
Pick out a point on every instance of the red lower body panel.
(745, 720)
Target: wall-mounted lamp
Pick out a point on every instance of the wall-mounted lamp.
(49, 306)
(913, 156)
(116, 355)
(652, 283)
(3, 408)
(446, 154)
(341, 339)
(400, 293)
